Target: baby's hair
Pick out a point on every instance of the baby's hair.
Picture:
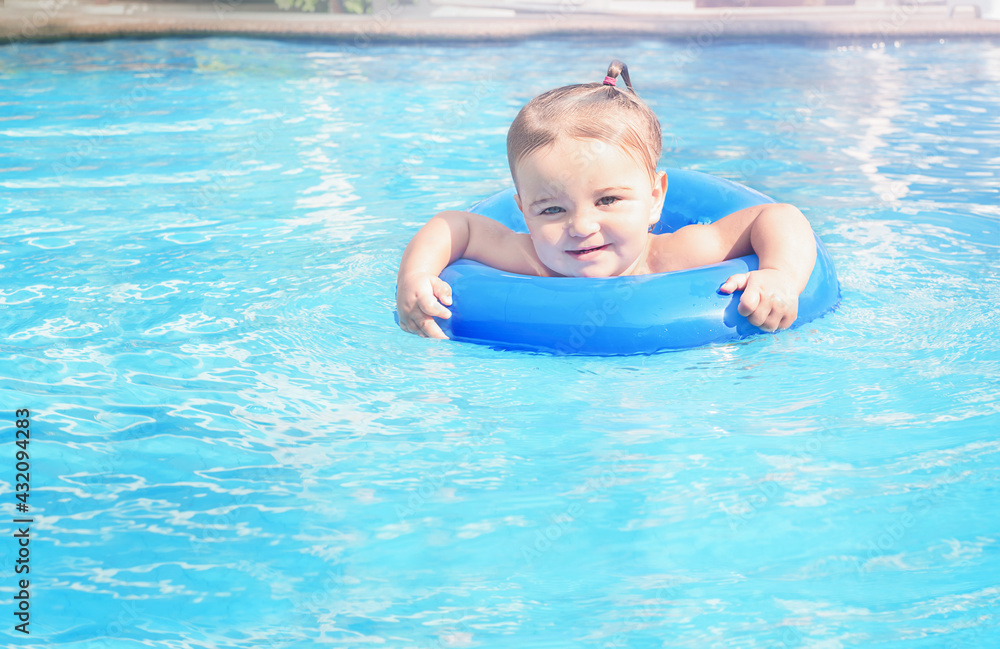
(588, 111)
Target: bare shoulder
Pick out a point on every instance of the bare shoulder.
(689, 247)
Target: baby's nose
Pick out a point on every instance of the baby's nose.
(584, 223)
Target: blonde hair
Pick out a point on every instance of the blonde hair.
(588, 111)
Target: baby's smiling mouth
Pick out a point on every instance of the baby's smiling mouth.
(584, 251)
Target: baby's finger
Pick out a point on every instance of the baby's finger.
(772, 321)
(442, 290)
(788, 315)
(418, 325)
(429, 305)
(749, 304)
(786, 322)
(735, 283)
(430, 329)
(759, 317)
(775, 312)
(409, 326)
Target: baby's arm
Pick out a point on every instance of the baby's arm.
(786, 249)
(785, 245)
(421, 295)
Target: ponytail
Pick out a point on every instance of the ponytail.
(618, 68)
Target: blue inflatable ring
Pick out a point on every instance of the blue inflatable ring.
(621, 315)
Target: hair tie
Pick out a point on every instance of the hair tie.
(610, 81)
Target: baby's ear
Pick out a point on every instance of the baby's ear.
(659, 193)
(660, 185)
(517, 199)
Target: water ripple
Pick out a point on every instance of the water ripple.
(200, 246)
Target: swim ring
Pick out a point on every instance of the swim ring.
(621, 315)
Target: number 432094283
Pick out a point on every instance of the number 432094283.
(23, 435)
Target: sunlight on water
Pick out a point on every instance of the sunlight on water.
(234, 446)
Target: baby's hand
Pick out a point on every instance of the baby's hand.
(419, 299)
(769, 300)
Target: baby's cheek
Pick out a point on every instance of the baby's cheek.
(544, 248)
(549, 257)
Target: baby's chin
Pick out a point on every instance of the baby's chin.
(590, 272)
(593, 273)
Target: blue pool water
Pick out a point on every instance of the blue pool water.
(233, 446)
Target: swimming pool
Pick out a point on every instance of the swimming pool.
(234, 446)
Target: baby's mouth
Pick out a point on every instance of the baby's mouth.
(586, 251)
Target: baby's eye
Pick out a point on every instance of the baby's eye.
(608, 200)
(555, 209)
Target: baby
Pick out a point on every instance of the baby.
(583, 158)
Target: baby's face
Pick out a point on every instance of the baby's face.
(588, 206)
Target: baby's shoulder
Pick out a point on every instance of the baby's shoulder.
(688, 247)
